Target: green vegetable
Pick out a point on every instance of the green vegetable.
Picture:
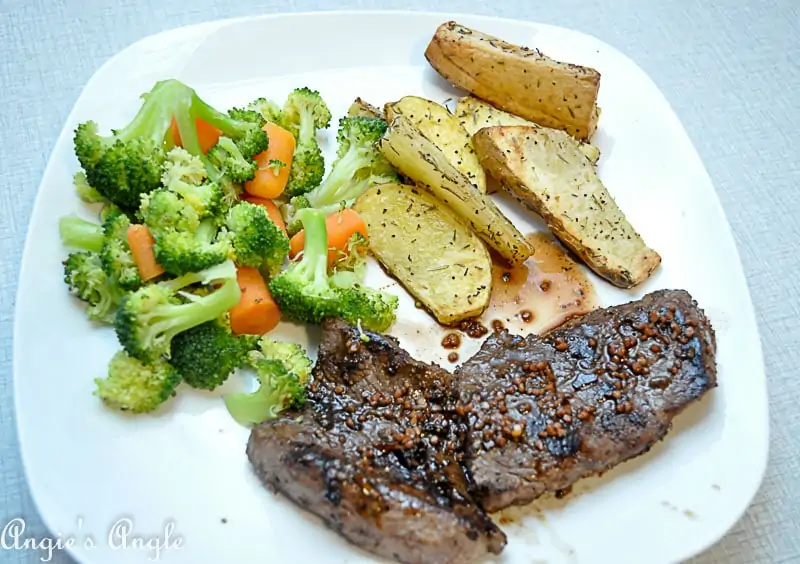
(116, 256)
(230, 161)
(183, 243)
(84, 275)
(186, 175)
(128, 163)
(283, 369)
(207, 354)
(291, 354)
(148, 319)
(182, 217)
(359, 165)
(85, 192)
(80, 234)
(268, 110)
(255, 240)
(275, 165)
(304, 113)
(306, 294)
(135, 386)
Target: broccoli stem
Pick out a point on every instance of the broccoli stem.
(340, 185)
(222, 271)
(229, 126)
(185, 316)
(187, 127)
(81, 234)
(205, 231)
(168, 99)
(314, 262)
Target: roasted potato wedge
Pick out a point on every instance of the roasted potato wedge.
(430, 251)
(548, 174)
(474, 114)
(361, 108)
(517, 79)
(418, 158)
(444, 131)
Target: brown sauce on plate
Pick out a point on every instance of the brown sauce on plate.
(541, 294)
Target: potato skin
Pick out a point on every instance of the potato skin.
(444, 131)
(419, 159)
(429, 250)
(517, 79)
(474, 114)
(554, 179)
(362, 108)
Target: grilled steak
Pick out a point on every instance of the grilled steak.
(376, 453)
(547, 411)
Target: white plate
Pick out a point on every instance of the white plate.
(88, 468)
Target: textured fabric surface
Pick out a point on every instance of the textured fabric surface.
(730, 70)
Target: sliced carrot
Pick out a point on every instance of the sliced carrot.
(270, 181)
(272, 210)
(341, 226)
(256, 313)
(141, 242)
(207, 135)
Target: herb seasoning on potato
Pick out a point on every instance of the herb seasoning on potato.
(420, 159)
(517, 79)
(424, 244)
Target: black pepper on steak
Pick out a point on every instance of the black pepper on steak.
(377, 453)
(598, 390)
(403, 458)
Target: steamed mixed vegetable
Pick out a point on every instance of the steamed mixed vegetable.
(215, 226)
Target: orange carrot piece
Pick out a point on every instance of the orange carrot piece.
(256, 313)
(341, 226)
(141, 242)
(272, 210)
(207, 135)
(269, 181)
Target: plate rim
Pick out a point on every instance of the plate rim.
(216, 24)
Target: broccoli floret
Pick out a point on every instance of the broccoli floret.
(181, 252)
(183, 242)
(231, 162)
(289, 212)
(186, 175)
(306, 294)
(116, 255)
(305, 108)
(86, 279)
(128, 163)
(148, 319)
(275, 165)
(268, 110)
(291, 355)
(207, 354)
(135, 386)
(304, 113)
(247, 114)
(107, 210)
(254, 239)
(80, 234)
(359, 165)
(279, 389)
(86, 192)
(163, 210)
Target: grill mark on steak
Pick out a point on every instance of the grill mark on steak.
(392, 453)
(376, 453)
(547, 411)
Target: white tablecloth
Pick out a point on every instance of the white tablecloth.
(730, 70)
